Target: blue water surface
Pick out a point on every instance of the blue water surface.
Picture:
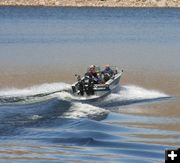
(41, 125)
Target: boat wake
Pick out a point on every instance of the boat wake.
(128, 94)
(49, 114)
(32, 93)
(54, 100)
(131, 94)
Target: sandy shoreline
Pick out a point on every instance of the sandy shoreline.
(93, 3)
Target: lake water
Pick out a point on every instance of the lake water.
(41, 49)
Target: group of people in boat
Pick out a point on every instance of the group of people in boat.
(100, 77)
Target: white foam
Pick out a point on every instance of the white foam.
(131, 92)
(35, 117)
(79, 110)
(63, 95)
(37, 89)
(68, 96)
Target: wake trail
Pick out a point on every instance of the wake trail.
(130, 94)
(10, 95)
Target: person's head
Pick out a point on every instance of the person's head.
(107, 66)
(92, 68)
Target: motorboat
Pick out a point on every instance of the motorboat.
(85, 88)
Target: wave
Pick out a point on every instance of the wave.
(61, 121)
(130, 94)
(40, 114)
(10, 95)
(52, 112)
(79, 110)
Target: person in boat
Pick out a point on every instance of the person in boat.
(92, 74)
(107, 72)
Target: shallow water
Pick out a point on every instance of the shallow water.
(41, 49)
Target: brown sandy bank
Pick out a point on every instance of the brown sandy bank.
(93, 3)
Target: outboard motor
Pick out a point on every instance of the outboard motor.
(88, 85)
(85, 85)
(80, 85)
(81, 88)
